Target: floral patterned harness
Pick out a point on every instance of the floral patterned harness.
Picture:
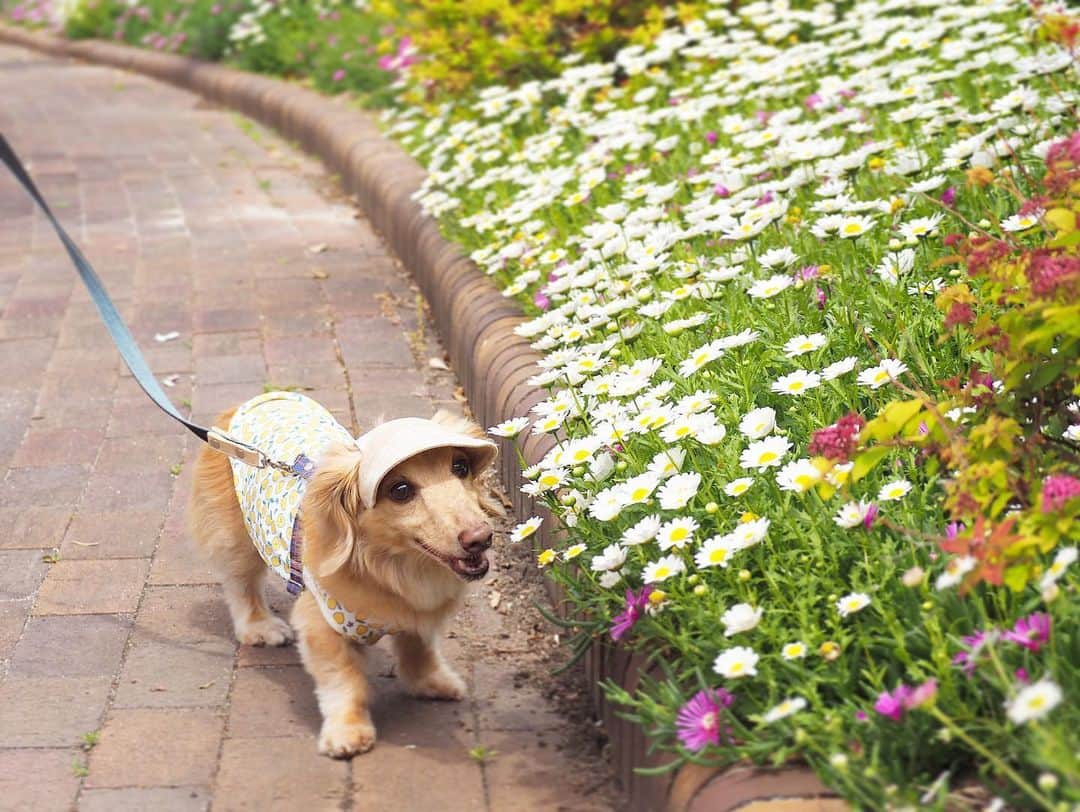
(288, 426)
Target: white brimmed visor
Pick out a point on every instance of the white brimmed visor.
(395, 441)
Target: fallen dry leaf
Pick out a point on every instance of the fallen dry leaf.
(320, 275)
(318, 248)
(437, 363)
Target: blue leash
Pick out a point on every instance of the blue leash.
(122, 337)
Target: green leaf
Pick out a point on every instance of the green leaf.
(867, 461)
(1016, 578)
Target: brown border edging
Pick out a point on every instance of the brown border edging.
(477, 325)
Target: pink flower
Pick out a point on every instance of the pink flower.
(1058, 490)
(1047, 272)
(812, 101)
(1031, 632)
(698, 721)
(541, 301)
(339, 74)
(635, 608)
(969, 659)
(871, 514)
(710, 137)
(892, 704)
(837, 442)
(721, 191)
(948, 197)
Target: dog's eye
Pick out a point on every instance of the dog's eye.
(400, 492)
(460, 467)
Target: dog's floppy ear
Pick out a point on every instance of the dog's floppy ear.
(490, 500)
(333, 507)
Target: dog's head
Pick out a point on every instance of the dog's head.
(431, 509)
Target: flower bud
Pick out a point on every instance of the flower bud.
(838, 761)
(1051, 592)
(620, 466)
(700, 590)
(744, 575)
(712, 507)
(913, 577)
(1047, 781)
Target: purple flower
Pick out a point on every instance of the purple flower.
(1031, 632)
(1022, 675)
(969, 659)
(710, 136)
(721, 191)
(541, 301)
(953, 529)
(948, 197)
(861, 716)
(698, 722)
(812, 101)
(806, 273)
(922, 694)
(871, 514)
(892, 704)
(635, 607)
(339, 74)
(821, 298)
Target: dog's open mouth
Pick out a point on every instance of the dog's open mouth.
(470, 567)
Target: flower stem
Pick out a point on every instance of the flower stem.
(1004, 768)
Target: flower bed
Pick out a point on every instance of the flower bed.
(805, 282)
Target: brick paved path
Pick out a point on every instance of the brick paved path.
(121, 685)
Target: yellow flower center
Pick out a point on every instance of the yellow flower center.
(768, 456)
(717, 556)
(679, 533)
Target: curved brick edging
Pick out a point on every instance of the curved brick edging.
(476, 324)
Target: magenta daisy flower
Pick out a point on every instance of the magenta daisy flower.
(635, 608)
(1031, 632)
(699, 720)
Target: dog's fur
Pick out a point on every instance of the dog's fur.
(370, 559)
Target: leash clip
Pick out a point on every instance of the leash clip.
(219, 441)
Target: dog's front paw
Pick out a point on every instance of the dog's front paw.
(340, 739)
(440, 684)
(269, 631)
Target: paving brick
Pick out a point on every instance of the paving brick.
(38, 528)
(173, 747)
(21, 572)
(112, 534)
(92, 587)
(51, 711)
(58, 447)
(252, 776)
(273, 701)
(155, 799)
(123, 489)
(183, 614)
(54, 486)
(165, 674)
(81, 646)
(38, 779)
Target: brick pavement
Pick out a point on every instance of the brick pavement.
(121, 685)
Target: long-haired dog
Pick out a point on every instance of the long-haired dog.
(378, 535)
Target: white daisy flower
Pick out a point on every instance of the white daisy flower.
(852, 603)
(642, 532)
(677, 533)
(758, 423)
(509, 428)
(888, 370)
(798, 476)
(606, 505)
(612, 558)
(715, 552)
(679, 490)
(747, 534)
(1065, 556)
(955, 571)
(549, 479)
(784, 709)
(802, 344)
(739, 661)
(573, 551)
(796, 383)
(658, 571)
(737, 487)
(526, 529)
(609, 579)
(639, 489)
(765, 453)
(841, 367)
(1033, 701)
(892, 491)
(667, 462)
(1022, 222)
(793, 651)
(742, 617)
(767, 288)
(777, 258)
(853, 514)
(854, 226)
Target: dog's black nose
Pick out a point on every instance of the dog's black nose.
(476, 540)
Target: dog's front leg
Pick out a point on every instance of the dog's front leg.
(424, 670)
(337, 666)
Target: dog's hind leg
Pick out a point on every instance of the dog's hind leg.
(217, 525)
(337, 666)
